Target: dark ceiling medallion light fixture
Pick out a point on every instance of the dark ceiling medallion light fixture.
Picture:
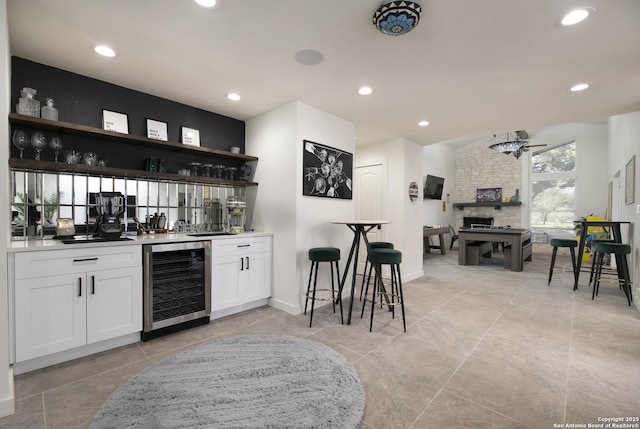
(512, 142)
(395, 18)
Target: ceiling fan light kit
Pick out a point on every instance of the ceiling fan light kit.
(395, 18)
(511, 142)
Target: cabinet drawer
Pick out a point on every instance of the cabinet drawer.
(240, 246)
(48, 263)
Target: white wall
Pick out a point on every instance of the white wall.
(403, 159)
(298, 222)
(7, 403)
(439, 160)
(624, 135)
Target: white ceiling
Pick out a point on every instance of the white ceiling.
(471, 68)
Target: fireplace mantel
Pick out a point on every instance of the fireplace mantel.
(495, 204)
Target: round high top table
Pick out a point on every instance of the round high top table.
(621, 260)
(360, 228)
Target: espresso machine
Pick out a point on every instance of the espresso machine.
(109, 205)
(236, 207)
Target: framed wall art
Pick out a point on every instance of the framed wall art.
(190, 136)
(486, 195)
(630, 181)
(114, 121)
(157, 130)
(326, 171)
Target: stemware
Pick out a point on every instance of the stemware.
(38, 142)
(20, 140)
(56, 145)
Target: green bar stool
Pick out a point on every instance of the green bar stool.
(377, 258)
(571, 244)
(621, 251)
(317, 255)
(372, 245)
(594, 256)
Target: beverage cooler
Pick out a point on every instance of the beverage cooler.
(177, 287)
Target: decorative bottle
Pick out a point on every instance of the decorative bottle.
(162, 220)
(48, 111)
(27, 104)
(516, 197)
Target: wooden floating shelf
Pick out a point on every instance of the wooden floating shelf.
(495, 204)
(61, 167)
(86, 131)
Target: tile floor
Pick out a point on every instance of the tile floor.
(484, 348)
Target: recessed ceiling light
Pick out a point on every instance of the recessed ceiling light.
(308, 57)
(579, 87)
(105, 51)
(423, 123)
(365, 90)
(207, 3)
(233, 96)
(574, 17)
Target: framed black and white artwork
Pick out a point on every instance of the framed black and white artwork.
(114, 121)
(157, 130)
(326, 171)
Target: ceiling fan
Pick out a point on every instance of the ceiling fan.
(513, 142)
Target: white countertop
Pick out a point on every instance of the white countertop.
(51, 244)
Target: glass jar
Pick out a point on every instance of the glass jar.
(48, 111)
(206, 170)
(194, 168)
(218, 171)
(27, 104)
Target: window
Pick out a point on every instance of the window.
(553, 187)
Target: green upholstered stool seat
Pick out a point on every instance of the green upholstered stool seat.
(317, 255)
(611, 247)
(324, 254)
(620, 250)
(571, 244)
(391, 295)
(564, 242)
(380, 245)
(384, 256)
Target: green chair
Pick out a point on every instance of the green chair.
(620, 251)
(317, 255)
(372, 245)
(377, 258)
(571, 244)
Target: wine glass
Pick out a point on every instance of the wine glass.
(38, 142)
(56, 145)
(20, 140)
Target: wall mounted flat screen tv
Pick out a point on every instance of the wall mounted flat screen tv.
(433, 186)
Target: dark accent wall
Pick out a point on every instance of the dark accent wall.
(80, 100)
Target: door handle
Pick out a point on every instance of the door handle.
(247, 262)
(93, 285)
(241, 264)
(79, 286)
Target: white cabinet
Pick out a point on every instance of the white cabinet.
(68, 298)
(241, 271)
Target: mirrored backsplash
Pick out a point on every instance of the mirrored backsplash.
(39, 199)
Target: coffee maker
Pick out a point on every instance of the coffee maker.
(109, 205)
(236, 206)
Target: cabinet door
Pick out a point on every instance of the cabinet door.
(114, 303)
(50, 315)
(225, 280)
(255, 281)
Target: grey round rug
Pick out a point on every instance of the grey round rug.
(254, 381)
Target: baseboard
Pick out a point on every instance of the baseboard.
(237, 309)
(56, 358)
(412, 276)
(284, 306)
(8, 404)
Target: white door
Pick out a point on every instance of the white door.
(369, 197)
